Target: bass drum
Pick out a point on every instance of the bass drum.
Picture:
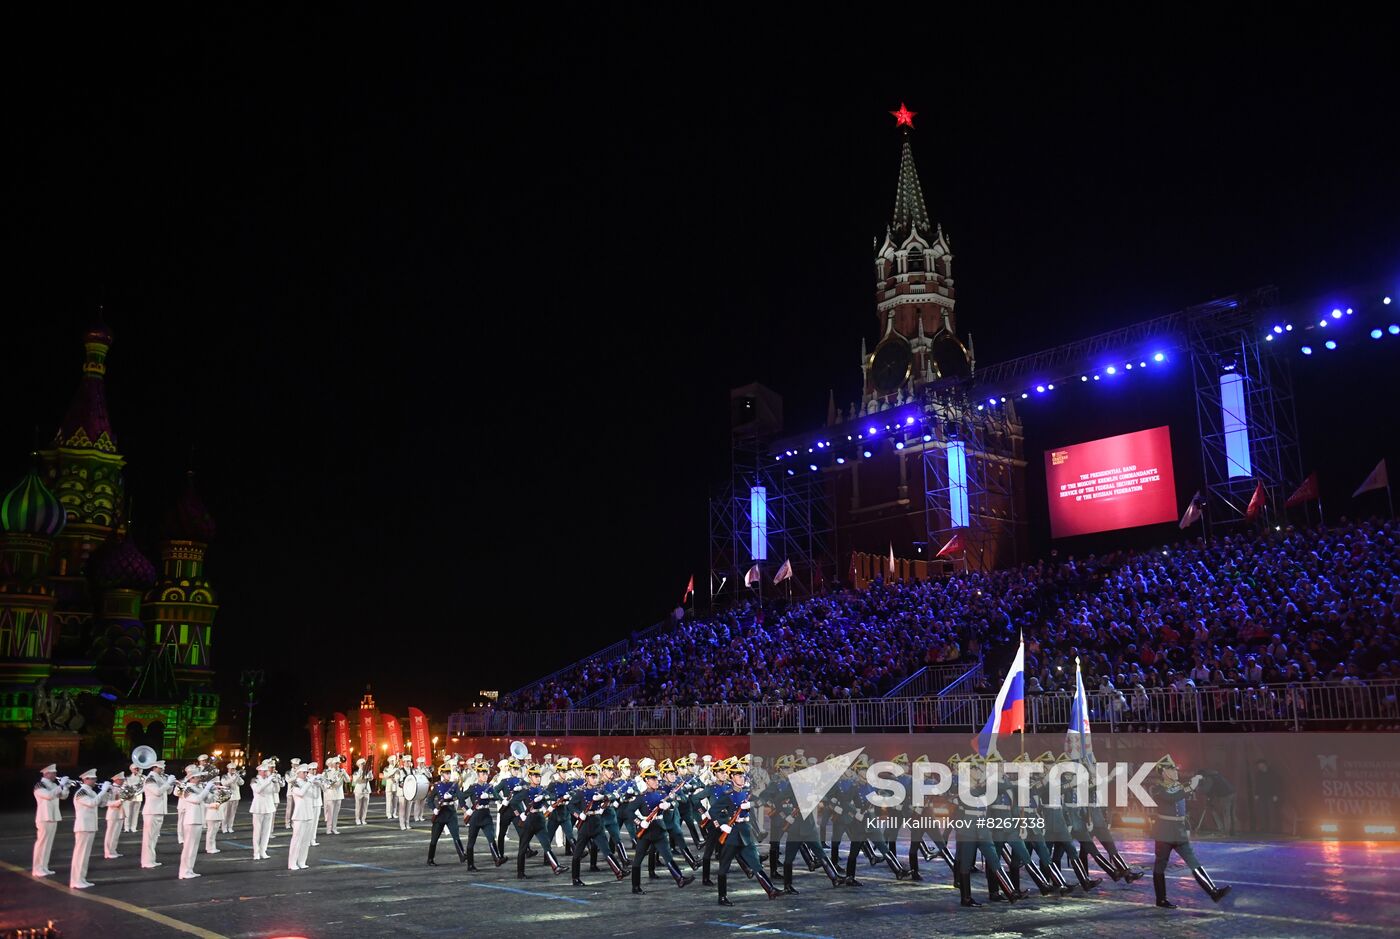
(410, 788)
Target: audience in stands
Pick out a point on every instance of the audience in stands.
(1215, 617)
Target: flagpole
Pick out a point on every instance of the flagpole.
(1023, 692)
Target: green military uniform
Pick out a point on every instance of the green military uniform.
(1171, 833)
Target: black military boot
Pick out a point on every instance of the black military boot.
(1159, 887)
(767, 885)
(723, 895)
(618, 870)
(676, 875)
(1215, 893)
(965, 889)
(787, 879)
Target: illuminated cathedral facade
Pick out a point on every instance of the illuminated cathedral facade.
(94, 637)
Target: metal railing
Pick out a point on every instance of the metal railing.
(932, 679)
(1268, 707)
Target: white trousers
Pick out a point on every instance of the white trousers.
(419, 806)
(230, 812)
(301, 844)
(362, 809)
(82, 851)
(150, 834)
(180, 815)
(192, 830)
(287, 815)
(131, 816)
(211, 835)
(315, 827)
(43, 845)
(114, 834)
(262, 830)
(403, 812)
(391, 804)
(332, 807)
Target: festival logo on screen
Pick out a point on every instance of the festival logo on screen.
(1115, 482)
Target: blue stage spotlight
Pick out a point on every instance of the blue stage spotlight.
(792, 472)
(1278, 329)
(1159, 357)
(980, 406)
(899, 445)
(871, 431)
(1322, 323)
(1111, 370)
(1289, 327)
(840, 461)
(1349, 311)
(1051, 387)
(809, 449)
(1083, 377)
(1393, 329)
(866, 454)
(1376, 334)
(908, 421)
(1386, 301)
(1096, 377)
(1307, 350)
(1331, 343)
(991, 400)
(1129, 366)
(1269, 337)
(1040, 389)
(928, 438)
(812, 467)
(1024, 395)
(1336, 314)
(820, 445)
(1003, 399)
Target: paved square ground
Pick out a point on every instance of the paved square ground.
(372, 880)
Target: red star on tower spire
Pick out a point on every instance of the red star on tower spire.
(904, 117)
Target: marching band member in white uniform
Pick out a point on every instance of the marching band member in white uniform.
(303, 817)
(363, 784)
(86, 802)
(389, 776)
(335, 794)
(214, 812)
(47, 793)
(131, 818)
(195, 796)
(116, 816)
(296, 762)
(420, 798)
(156, 790)
(233, 779)
(264, 807)
(317, 800)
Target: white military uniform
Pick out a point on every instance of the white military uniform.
(86, 802)
(303, 817)
(390, 776)
(234, 782)
(335, 795)
(420, 798)
(131, 817)
(47, 793)
(116, 816)
(264, 807)
(287, 817)
(195, 797)
(363, 784)
(402, 806)
(213, 820)
(156, 791)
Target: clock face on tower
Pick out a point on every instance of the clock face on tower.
(891, 365)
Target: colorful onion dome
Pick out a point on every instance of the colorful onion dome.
(31, 508)
(120, 564)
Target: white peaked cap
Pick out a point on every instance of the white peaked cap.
(51, 768)
(92, 773)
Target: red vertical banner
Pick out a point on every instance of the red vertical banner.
(392, 733)
(418, 733)
(318, 742)
(341, 725)
(368, 746)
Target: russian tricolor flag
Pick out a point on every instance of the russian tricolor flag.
(1009, 710)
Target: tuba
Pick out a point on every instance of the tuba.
(519, 750)
(144, 757)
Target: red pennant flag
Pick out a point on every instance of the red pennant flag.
(1306, 492)
(1192, 515)
(341, 726)
(318, 740)
(1378, 479)
(1256, 503)
(689, 590)
(418, 733)
(367, 741)
(392, 733)
(953, 546)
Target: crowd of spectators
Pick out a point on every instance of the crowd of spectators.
(1284, 608)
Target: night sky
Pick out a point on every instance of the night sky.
(444, 314)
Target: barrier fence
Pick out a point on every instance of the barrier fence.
(1333, 706)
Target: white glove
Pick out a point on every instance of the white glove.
(664, 806)
(744, 806)
(726, 829)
